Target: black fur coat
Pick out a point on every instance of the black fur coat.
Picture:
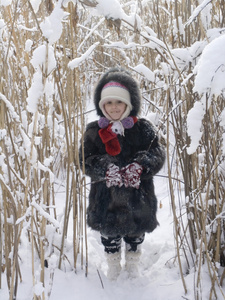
(119, 210)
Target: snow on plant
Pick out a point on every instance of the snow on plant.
(209, 81)
(52, 25)
(145, 71)
(35, 4)
(113, 11)
(194, 125)
(43, 57)
(51, 59)
(6, 2)
(210, 68)
(78, 60)
(201, 7)
(35, 92)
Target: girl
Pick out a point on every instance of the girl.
(121, 155)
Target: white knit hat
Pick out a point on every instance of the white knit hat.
(115, 91)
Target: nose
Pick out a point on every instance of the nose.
(114, 104)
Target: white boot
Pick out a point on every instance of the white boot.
(132, 262)
(114, 266)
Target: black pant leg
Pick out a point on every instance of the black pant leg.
(133, 242)
(111, 244)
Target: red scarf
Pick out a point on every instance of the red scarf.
(109, 138)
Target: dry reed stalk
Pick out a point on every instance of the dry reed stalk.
(2, 122)
(82, 187)
(1, 245)
(67, 182)
(32, 249)
(173, 203)
(79, 198)
(35, 184)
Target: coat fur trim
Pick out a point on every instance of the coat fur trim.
(123, 77)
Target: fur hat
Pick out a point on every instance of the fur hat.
(126, 85)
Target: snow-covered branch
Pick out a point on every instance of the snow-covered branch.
(78, 60)
(197, 11)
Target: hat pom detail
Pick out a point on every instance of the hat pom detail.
(103, 122)
(128, 122)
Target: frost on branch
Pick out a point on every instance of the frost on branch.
(209, 81)
(210, 70)
(78, 60)
(142, 69)
(197, 11)
(52, 25)
(194, 124)
(113, 11)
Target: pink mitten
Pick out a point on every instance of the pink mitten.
(131, 175)
(113, 176)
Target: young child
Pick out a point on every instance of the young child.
(121, 154)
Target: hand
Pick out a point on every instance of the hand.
(113, 176)
(131, 175)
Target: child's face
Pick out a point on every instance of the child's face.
(115, 109)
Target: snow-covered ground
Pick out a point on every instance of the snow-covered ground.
(159, 276)
(159, 273)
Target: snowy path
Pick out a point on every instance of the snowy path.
(159, 273)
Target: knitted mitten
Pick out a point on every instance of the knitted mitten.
(131, 175)
(113, 176)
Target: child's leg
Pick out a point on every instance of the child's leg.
(133, 243)
(133, 253)
(113, 255)
(111, 244)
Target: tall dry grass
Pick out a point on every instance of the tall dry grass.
(34, 146)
